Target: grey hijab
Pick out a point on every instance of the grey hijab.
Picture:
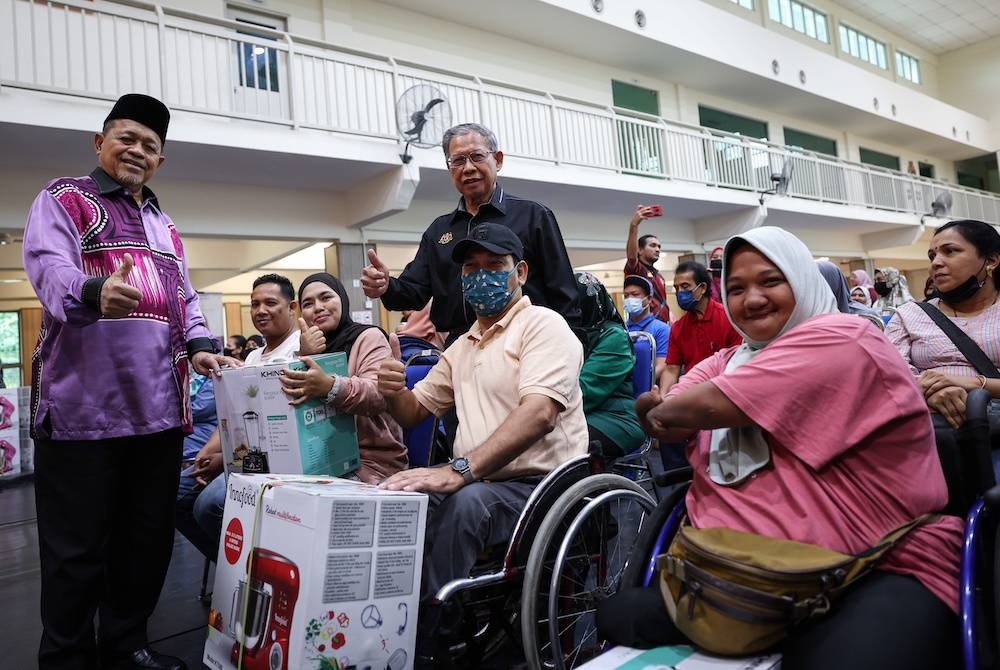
(736, 453)
(831, 273)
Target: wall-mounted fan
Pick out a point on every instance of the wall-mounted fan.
(781, 180)
(941, 207)
(422, 116)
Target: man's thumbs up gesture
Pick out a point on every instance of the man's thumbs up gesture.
(392, 373)
(118, 298)
(374, 277)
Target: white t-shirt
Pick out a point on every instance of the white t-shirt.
(283, 352)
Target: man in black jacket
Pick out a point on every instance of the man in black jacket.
(473, 159)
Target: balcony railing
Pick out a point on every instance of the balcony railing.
(213, 66)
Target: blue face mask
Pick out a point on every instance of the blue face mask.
(486, 290)
(687, 301)
(634, 306)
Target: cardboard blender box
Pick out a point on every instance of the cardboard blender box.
(319, 573)
(262, 433)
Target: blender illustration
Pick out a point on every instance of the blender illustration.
(255, 460)
(266, 601)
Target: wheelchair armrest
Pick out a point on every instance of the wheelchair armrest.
(671, 477)
(991, 498)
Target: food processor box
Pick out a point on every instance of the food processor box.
(334, 580)
(256, 423)
(10, 434)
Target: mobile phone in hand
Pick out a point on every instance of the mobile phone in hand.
(656, 210)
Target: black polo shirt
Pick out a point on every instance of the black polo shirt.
(432, 273)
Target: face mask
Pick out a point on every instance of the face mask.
(965, 290)
(634, 306)
(715, 265)
(487, 291)
(882, 288)
(687, 301)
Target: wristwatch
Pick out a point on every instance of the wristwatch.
(461, 466)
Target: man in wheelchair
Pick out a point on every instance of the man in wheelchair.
(783, 452)
(514, 382)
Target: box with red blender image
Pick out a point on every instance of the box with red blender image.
(10, 434)
(316, 572)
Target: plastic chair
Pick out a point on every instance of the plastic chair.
(421, 438)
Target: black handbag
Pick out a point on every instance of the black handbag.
(976, 357)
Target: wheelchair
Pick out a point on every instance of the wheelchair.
(568, 551)
(972, 493)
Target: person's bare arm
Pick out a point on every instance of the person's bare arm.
(632, 242)
(668, 376)
(534, 418)
(701, 407)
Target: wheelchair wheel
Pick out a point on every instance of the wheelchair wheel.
(649, 535)
(590, 568)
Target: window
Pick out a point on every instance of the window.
(863, 47)
(880, 159)
(258, 64)
(800, 18)
(822, 145)
(10, 348)
(732, 123)
(636, 98)
(745, 4)
(926, 170)
(907, 67)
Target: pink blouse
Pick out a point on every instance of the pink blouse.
(925, 347)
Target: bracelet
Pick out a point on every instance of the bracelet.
(982, 381)
(332, 395)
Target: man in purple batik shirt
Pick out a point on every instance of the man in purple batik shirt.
(109, 399)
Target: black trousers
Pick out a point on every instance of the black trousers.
(886, 622)
(105, 534)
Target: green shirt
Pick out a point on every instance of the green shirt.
(606, 382)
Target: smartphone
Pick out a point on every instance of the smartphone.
(657, 210)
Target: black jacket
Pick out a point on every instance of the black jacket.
(432, 273)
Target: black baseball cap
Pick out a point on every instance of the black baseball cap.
(494, 237)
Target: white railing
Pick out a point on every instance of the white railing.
(214, 66)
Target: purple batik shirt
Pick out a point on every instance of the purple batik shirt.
(96, 378)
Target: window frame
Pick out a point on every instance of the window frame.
(788, 12)
(905, 61)
(863, 47)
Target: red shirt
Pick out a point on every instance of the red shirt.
(658, 301)
(694, 338)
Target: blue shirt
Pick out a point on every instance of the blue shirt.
(202, 413)
(659, 330)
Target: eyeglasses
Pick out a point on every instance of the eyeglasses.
(458, 161)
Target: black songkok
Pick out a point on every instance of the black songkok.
(144, 109)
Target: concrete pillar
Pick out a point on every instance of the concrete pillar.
(350, 260)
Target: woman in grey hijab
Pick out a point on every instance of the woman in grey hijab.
(772, 455)
(838, 284)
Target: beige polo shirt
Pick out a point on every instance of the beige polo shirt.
(484, 375)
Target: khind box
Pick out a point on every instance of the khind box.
(10, 434)
(316, 573)
(262, 433)
(26, 444)
(677, 658)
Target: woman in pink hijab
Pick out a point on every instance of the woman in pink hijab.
(861, 278)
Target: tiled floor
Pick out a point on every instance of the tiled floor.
(177, 627)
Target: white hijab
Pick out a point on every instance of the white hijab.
(736, 453)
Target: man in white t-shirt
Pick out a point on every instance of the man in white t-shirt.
(199, 517)
(272, 309)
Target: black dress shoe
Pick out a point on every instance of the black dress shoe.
(147, 658)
